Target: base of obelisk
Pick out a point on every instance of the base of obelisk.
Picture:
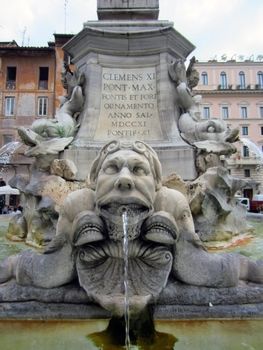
(179, 160)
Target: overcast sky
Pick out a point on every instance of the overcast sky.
(215, 27)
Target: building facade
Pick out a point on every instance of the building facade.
(233, 91)
(30, 88)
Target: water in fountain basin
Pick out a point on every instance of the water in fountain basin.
(71, 334)
(126, 284)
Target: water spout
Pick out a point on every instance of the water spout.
(126, 283)
(8, 150)
(6, 153)
(253, 148)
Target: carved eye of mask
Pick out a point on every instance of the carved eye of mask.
(140, 171)
(111, 169)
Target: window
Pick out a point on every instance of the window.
(11, 78)
(9, 106)
(225, 112)
(204, 78)
(223, 80)
(43, 78)
(42, 105)
(247, 172)
(242, 80)
(206, 113)
(260, 80)
(7, 139)
(261, 130)
(245, 151)
(243, 112)
(261, 111)
(244, 130)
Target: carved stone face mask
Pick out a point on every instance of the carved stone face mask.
(125, 184)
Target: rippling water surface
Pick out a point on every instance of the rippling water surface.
(89, 335)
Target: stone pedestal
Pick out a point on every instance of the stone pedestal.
(128, 9)
(128, 92)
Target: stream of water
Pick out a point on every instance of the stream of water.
(253, 148)
(126, 282)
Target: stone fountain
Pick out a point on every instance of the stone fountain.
(129, 106)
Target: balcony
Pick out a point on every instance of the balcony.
(11, 85)
(43, 85)
(224, 87)
(238, 160)
(239, 87)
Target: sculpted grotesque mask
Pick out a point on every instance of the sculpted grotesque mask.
(125, 177)
(88, 246)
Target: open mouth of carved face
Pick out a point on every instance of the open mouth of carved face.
(136, 211)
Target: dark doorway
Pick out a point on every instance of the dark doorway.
(248, 193)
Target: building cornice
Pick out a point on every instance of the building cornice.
(225, 92)
(26, 51)
(228, 63)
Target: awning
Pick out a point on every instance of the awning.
(8, 190)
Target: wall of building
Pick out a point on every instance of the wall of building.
(243, 99)
(26, 90)
(233, 96)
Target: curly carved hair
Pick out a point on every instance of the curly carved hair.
(136, 146)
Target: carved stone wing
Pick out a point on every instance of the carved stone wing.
(52, 146)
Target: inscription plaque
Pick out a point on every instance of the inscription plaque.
(128, 108)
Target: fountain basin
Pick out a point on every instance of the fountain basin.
(71, 334)
(184, 302)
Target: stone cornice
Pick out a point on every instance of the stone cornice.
(128, 38)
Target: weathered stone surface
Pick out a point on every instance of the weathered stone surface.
(177, 301)
(41, 196)
(129, 107)
(108, 260)
(177, 293)
(176, 182)
(128, 92)
(131, 84)
(63, 168)
(13, 292)
(127, 202)
(206, 312)
(213, 204)
(46, 311)
(129, 9)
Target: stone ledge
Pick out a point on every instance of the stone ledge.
(53, 311)
(177, 301)
(36, 310)
(200, 312)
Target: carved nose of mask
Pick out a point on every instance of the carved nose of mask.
(124, 181)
